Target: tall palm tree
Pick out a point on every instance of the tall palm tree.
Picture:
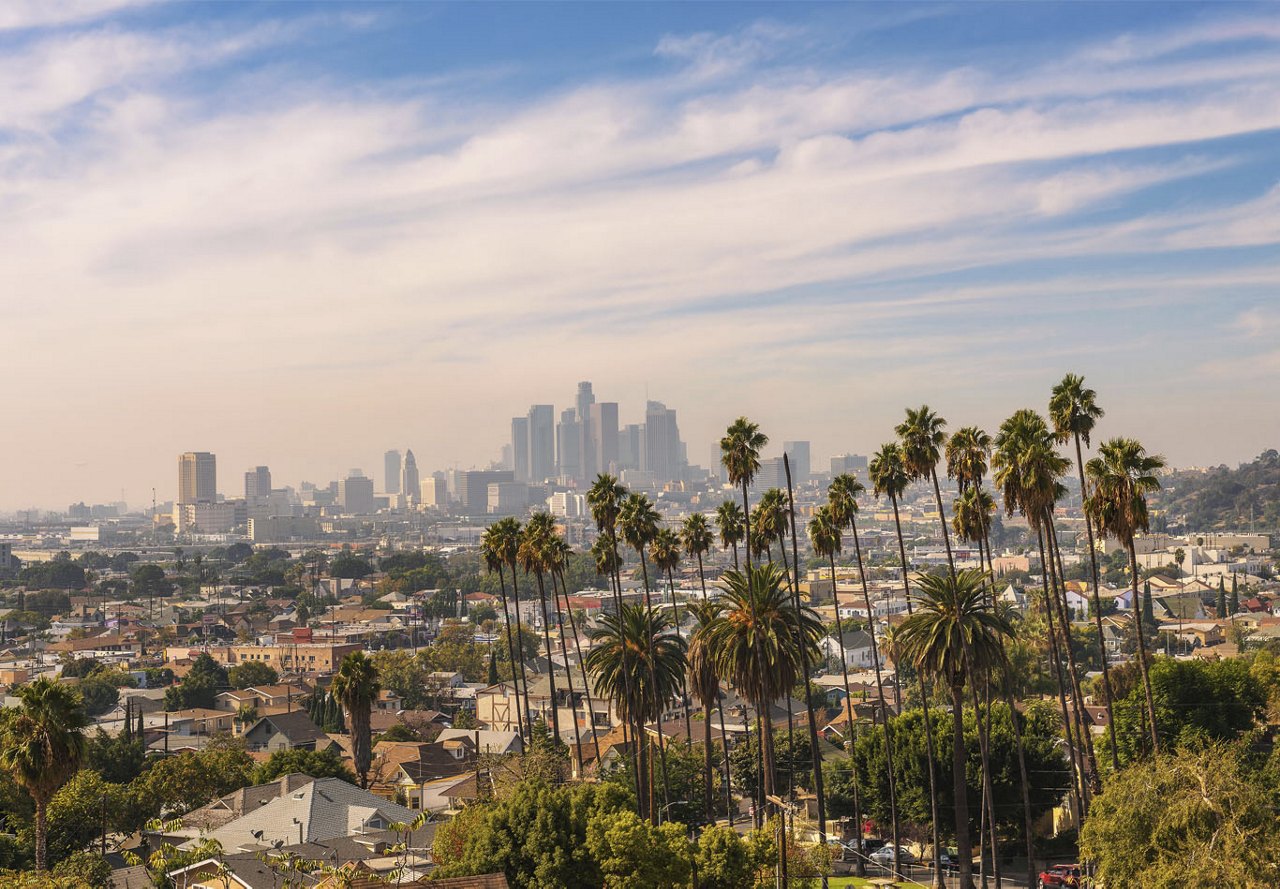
(666, 557)
(758, 642)
(954, 636)
(41, 746)
(696, 536)
(740, 454)
(731, 526)
(637, 662)
(825, 537)
(1074, 411)
(507, 533)
(495, 560)
(638, 526)
(535, 558)
(923, 438)
(842, 503)
(1026, 485)
(356, 685)
(705, 685)
(1122, 475)
(889, 478)
(770, 523)
(557, 558)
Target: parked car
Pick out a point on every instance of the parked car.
(885, 858)
(1060, 875)
(949, 860)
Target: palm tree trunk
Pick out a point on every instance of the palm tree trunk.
(746, 527)
(1086, 736)
(791, 728)
(1097, 609)
(728, 790)
(988, 793)
(1068, 731)
(582, 667)
(626, 672)
(524, 673)
(964, 846)
(707, 795)
(684, 684)
(1142, 649)
(860, 867)
(735, 556)
(42, 832)
(551, 667)
(568, 670)
(728, 778)
(884, 708)
(924, 703)
(662, 705)
(1024, 782)
(642, 769)
(511, 651)
(942, 518)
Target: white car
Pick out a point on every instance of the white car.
(885, 858)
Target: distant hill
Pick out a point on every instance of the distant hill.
(1241, 499)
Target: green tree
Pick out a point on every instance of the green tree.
(356, 686)
(81, 808)
(317, 764)
(84, 869)
(98, 695)
(41, 745)
(731, 527)
(632, 852)
(1184, 820)
(252, 674)
(740, 455)
(922, 439)
(177, 784)
(350, 566)
(117, 758)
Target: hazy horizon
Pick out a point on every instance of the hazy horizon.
(302, 234)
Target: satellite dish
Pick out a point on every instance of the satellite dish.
(257, 834)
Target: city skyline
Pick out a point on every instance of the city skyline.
(349, 226)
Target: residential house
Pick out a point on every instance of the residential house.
(855, 646)
(286, 731)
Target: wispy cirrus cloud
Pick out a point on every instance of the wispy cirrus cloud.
(161, 186)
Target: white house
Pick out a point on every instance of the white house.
(853, 645)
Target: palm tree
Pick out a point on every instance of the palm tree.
(954, 637)
(1122, 475)
(696, 536)
(740, 453)
(731, 525)
(1024, 475)
(356, 686)
(825, 537)
(507, 533)
(666, 557)
(556, 557)
(842, 503)
(638, 526)
(491, 551)
(535, 559)
(758, 644)
(42, 745)
(1074, 412)
(922, 441)
(889, 478)
(637, 663)
(706, 688)
(770, 524)
(967, 452)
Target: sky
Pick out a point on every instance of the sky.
(300, 234)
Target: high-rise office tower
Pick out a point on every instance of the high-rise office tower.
(848, 463)
(604, 438)
(409, 483)
(798, 454)
(662, 442)
(587, 459)
(197, 477)
(520, 448)
(355, 494)
(631, 446)
(542, 442)
(257, 484)
(391, 472)
(569, 444)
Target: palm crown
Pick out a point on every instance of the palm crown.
(729, 521)
(1073, 409)
(967, 452)
(637, 661)
(740, 450)
(696, 535)
(888, 472)
(1122, 475)
(842, 498)
(922, 438)
(952, 629)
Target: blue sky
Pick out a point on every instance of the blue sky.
(302, 233)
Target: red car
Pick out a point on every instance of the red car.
(1060, 875)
